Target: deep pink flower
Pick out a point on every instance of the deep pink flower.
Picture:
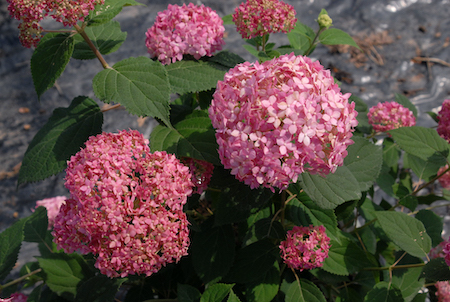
(280, 118)
(260, 17)
(443, 291)
(444, 121)
(52, 205)
(201, 172)
(446, 251)
(16, 297)
(305, 247)
(188, 29)
(444, 180)
(126, 205)
(390, 115)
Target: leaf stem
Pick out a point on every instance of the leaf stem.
(20, 279)
(92, 46)
(314, 43)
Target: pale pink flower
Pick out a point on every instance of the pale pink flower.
(126, 205)
(305, 247)
(277, 119)
(260, 17)
(390, 115)
(188, 29)
(201, 172)
(444, 180)
(444, 121)
(52, 205)
(443, 291)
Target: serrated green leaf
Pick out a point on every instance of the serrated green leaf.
(408, 281)
(333, 190)
(187, 293)
(424, 169)
(424, 143)
(62, 136)
(212, 251)
(233, 297)
(35, 229)
(405, 102)
(216, 292)
(107, 38)
(304, 291)
(264, 228)
(49, 60)
(433, 223)
(405, 231)
(139, 84)
(226, 59)
(228, 19)
(10, 243)
(436, 270)
(391, 152)
(265, 288)
(98, 289)
(192, 137)
(301, 36)
(334, 36)
(110, 8)
(364, 161)
(384, 292)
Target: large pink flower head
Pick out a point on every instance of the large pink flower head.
(126, 205)
(390, 115)
(280, 118)
(188, 29)
(444, 180)
(305, 247)
(201, 172)
(256, 18)
(52, 205)
(443, 291)
(444, 121)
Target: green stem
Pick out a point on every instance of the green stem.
(20, 279)
(314, 43)
(91, 46)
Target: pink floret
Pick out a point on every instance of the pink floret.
(52, 205)
(444, 121)
(390, 115)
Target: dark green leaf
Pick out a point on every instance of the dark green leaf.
(139, 84)
(104, 13)
(59, 139)
(187, 293)
(424, 169)
(264, 228)
(50, 59)
(35, 230)
(433, 115)
(384, 292)
(433, 224)
(216, 292)
(334, 36)
(408, 281)
(304, 291)
(436, 270)
(107, 38)
(301, 36)
(391, 152)
(226, 59)
(405, 102)
(98, 289)
(10, 242)
(266, 287)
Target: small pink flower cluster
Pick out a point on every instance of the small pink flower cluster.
(444, 121)
(442, 287)
(188, 29)
(305, 247)
(443, 291)
(31, 12)
(16, 297)
(280, 118)
(52, 205)
(126, 205)
(256, 18)
(390, 115)
(201, 172)
(444, 180)
(446, 251)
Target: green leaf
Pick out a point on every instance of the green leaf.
(233, 297)
(226, 60)
(35, 229)
(212, 251)
(191, 76)
(99, 288)
(107, 38)
(63, 273)
(405, 102)
(304, 291)
(424, 143)
(364, 161)
(436, 270)
(424, 169)
(228, 19)
(301, 36)
(433, 223)
(333, 190)
(10, 242)
(334, 36)
(391, 152)
(266, 287)
(408, 281)
(216, 292)
(187, 293)
(192, 137)
(139, 84)
(104, 13)
(405, 231)
(251, 50)
(59, 139)
(49, 60)
(253, 261)
(384, 292)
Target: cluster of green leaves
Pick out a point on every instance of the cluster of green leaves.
(376, 254)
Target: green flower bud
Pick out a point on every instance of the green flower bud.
(324, 21)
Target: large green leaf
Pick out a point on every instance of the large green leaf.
(107, 38)
(424, 169)
(330, 191)
(384, 292)
(433, 223)
(62, 136)
(50, 59)
(187, 293)
(216, 292)
(212, 251)
(99, 288)
(304, 291)
(301, 36)
(405, 231)
(10, 242)
(408, 281)
(193, 137)
(266, 287)
(191, 76)
(110, 8)
(35, 230)
(436, 270)
(334, 36)
(139, 84)
(364, 160)
(232, 297)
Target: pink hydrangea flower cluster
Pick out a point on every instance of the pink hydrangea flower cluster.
(443, 291)
(305, 247)
(201, 172)
(256, 18)
(52, 205)
(31, 12)
(444, 121)
(16, 297)
(280, 118)
(444, 180)
(126, 205)
(188, 29)
(446, 251)
(390, 115)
